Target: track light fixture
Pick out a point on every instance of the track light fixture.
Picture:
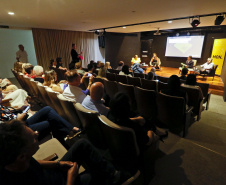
(195, 22)
(219, 19)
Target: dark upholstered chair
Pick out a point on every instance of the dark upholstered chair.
(194, 99)
(98, 80)
(121, 78)
(149, 84)
(91, 125)
(140, 75)
(173, 114)
(146, 103)
(45, 96)
(212, 72)
(70, 111)
(162, 86)
(135, 81)
(111, 88)
(129, 90)
(114, 71)
(206, 93)
(111, 76)
(163, 79)
(121, 142)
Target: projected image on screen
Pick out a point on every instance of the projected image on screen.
(184, 46)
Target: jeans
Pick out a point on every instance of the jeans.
(47, 120)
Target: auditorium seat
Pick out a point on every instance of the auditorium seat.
(206, 93)
(129, 90)
(122, 144)
(30, 89)
(70, 111)
(140, 75)
(212, 72)
(111, 76)
(115, 71)
(135, 81)
(161, 86)
(149, 84)
(163, 79)
(146, 103)
(98, 80)
(45, 96)
(111, 88)
(173, 114)
(86, 81)
(54, 99)
(91, 125)
(121, 78)
(194, 99)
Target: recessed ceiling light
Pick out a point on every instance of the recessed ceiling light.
(11, 13)
(170, 22)
(123, 27)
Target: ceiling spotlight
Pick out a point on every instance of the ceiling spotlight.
(219, 19)
(195, 22)
(11, 13)
(124, 27)
(170, 22)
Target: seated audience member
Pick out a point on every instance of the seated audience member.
(119, 114)
(18, 144)
(72, 65)
(153, 70)
(107, 65)
(137, 69)
(73, 91)
(120, 65)
(38, 71)
(102, 71)
(98, 65)
(60, 63)
(79, 69)
(184, 72)
(174, 88)
(50, 79)
(189, 63)
(92, 63)
(90, 68)
(206, 68)
(125, 71)
(95, 100)
(29, 71)
(150, 76)
(191, 83)
(155, 61)
(7, 85)
(52, 64)
(44, 121)
(18, 66)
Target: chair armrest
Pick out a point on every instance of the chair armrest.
(189, 109)
(5, 102)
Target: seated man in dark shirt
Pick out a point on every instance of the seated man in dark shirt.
(184, 72)
(18, 143)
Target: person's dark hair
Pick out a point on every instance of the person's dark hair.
(28, 68)
(190, 57)
(184, 71)
(120, 63)
(174, 82)
(11, 141)
(90, 67)
(191, 79)
(58, 60)
(125, 69)
(73, 45)
(71, 75)
(91, 62)
(120, 106)
(150, 76)
(51, 62)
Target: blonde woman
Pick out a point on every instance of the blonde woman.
(50, 79)
(107, 65)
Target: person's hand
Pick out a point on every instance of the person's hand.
(21, 117)
(66, 165)
(91, 79)
(72, 174)
(86, 74)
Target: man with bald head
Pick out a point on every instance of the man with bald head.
(95, 100)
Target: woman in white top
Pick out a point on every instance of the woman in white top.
(125, 71)
(155, 61)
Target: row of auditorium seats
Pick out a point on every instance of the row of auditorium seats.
(99, 130)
